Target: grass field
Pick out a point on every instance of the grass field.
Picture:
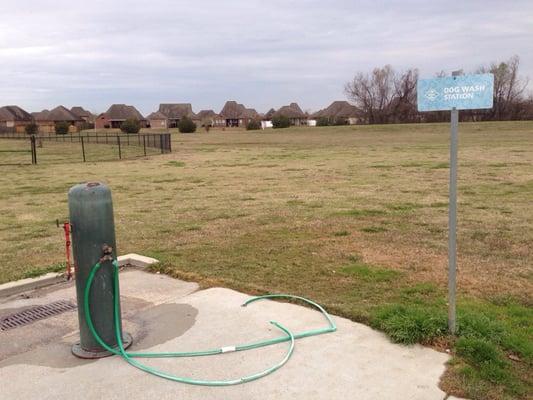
(352, 217)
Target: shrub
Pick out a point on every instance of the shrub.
(322, 121)
(487, 359)
(281, 121)
(253, 125)
(340, 121)
(410, 324)
(86, 126)
(31, 129)
(131, 125)
(186, 125)
(61, 128)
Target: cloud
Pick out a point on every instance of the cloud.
(261, 53)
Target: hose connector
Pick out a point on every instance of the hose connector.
(107, 253)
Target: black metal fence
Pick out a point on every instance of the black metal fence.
(93, 146)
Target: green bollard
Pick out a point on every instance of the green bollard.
(93, 239)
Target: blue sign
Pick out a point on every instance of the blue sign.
(464, 92)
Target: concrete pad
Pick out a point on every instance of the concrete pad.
(164, 314)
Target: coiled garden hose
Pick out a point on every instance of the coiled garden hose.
(129, 356)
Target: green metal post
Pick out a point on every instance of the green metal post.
(93, 240)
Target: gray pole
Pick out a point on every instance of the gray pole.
(452, 221)
(452, 218)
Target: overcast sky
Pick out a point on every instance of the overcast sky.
(263, 53)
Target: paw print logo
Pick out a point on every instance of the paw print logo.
(431, 94)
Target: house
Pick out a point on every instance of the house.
(47, 120)
(340, 110)
(46, 125)
(14, 119)
(295, 114)
(175, 112)
(83, 114)
(116, 115)
(269, 114)
(210, 118)
(157, 120)
(235, 114)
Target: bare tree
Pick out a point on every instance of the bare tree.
(403, 106)
(372, 93)
(383, 95)
(509, 88)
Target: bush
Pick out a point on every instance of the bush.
(410, 324)
(86, 126)
(61, 128)
(253, 125)
(32, 129)
(340, 121)
(281, 121)
(487, 359)
(131, 126)
(186, 125)
(322, 121)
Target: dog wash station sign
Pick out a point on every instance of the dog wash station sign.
(467, 92)
(454, 93)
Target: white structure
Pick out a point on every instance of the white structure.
(266, 124)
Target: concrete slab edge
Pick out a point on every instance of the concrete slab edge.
(136, 260)
(23, 285)
(52, 278)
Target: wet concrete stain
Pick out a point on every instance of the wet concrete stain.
(162, 323)
(149, 325)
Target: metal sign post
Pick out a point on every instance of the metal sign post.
(454, 93)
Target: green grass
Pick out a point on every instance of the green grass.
(373, 229)
(176, 163)
(353, 217)
(34, 273)
(370, 273)
(342, 233)
(362, 213)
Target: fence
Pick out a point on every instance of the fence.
(91, 146)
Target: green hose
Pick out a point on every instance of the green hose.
(128, 356)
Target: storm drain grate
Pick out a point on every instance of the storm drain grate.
(35, 314)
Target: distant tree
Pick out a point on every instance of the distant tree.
(186, 125)
(62, 127)
(281, 121)
(31, 129)
(322, 121)
(509, 89)
(131, 125)
(383, 95)
(253, 125)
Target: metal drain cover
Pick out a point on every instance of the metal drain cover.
(35, 314)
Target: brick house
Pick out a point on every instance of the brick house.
(47, 120)
(116, 115)
(235, 114)
(14, 119)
